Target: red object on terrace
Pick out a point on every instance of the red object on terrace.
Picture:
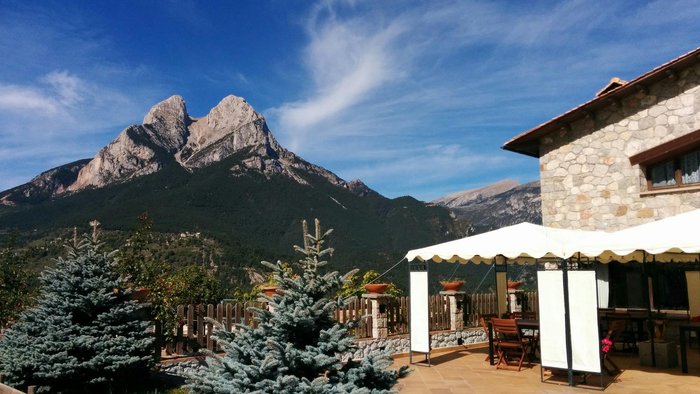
(269, 290)
(513, 284)
(452, 285)
(376, 288)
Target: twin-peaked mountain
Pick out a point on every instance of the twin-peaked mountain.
(169, 135)
(223, 174)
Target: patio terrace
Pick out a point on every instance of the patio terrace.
(463, 370)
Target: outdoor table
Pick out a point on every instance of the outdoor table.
(522, 325)
(533, 325)
(684, 330)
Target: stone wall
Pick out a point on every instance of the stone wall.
(401, 344)
(585, 173)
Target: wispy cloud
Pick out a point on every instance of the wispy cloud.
(347, 61)
(57, 119)
(22, 98)
(461, 74)
(61, 97)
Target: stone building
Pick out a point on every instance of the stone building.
(628, 156)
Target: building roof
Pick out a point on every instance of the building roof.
(528, 143)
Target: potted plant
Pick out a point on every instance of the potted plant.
(376, 288)
(140, 294)
(269, 290)
(512, 284)
(453, 284)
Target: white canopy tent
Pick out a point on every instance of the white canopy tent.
(674, 239)
(520, 243)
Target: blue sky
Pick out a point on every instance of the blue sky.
(413, 97)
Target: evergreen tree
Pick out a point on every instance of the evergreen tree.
(297, 346)
(84, 335)
(16, 290)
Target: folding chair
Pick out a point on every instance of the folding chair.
(510, 345)
(484, 320)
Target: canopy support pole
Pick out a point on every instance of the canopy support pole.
(501, 273)
(647, 296)
(567, 321)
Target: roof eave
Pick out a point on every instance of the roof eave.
(520, 142)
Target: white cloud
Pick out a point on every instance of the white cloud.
(58, 119)
(347, 61)
(462, 74)
(21, 98)
(67, 87)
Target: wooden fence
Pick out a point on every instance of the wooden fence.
(194, 332)
(487, 303)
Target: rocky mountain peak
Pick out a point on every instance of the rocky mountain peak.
(231, 126)
(171, 111)
(170, 136)
(231, 112)
(169, 120)
(359, 188)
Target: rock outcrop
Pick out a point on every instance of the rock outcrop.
(45, 185)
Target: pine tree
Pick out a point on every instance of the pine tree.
(16, 290)
(84, 335)
(297, 346)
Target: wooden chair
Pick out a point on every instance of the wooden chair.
(484, 320)
(615, 329)
(509, 343)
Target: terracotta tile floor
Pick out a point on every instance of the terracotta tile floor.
(465, 371)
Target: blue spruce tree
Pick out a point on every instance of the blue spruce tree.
(297, 346)
(85, 334)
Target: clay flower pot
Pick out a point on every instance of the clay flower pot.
(376, 288)
(269, 290)
(513, 284)
(452, 285)
(140, 294)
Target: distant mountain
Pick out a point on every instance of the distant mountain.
(475, 196)
(497, 205)
(223, 174)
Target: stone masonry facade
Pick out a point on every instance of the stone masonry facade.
(585, 173)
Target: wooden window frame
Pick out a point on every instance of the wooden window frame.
(671, 150)
(676, 175)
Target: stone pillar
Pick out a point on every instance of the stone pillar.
(513, 303)
(380, 321)
(455, 299)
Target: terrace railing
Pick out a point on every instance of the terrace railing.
(195, 332)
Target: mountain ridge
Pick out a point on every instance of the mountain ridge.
(499, 204)
(169, 134)
(237, 186)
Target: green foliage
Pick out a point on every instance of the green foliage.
(297, 346)
(167, 286)
(84, 335)
(16, 284)
(355, 285)
(253, 218)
